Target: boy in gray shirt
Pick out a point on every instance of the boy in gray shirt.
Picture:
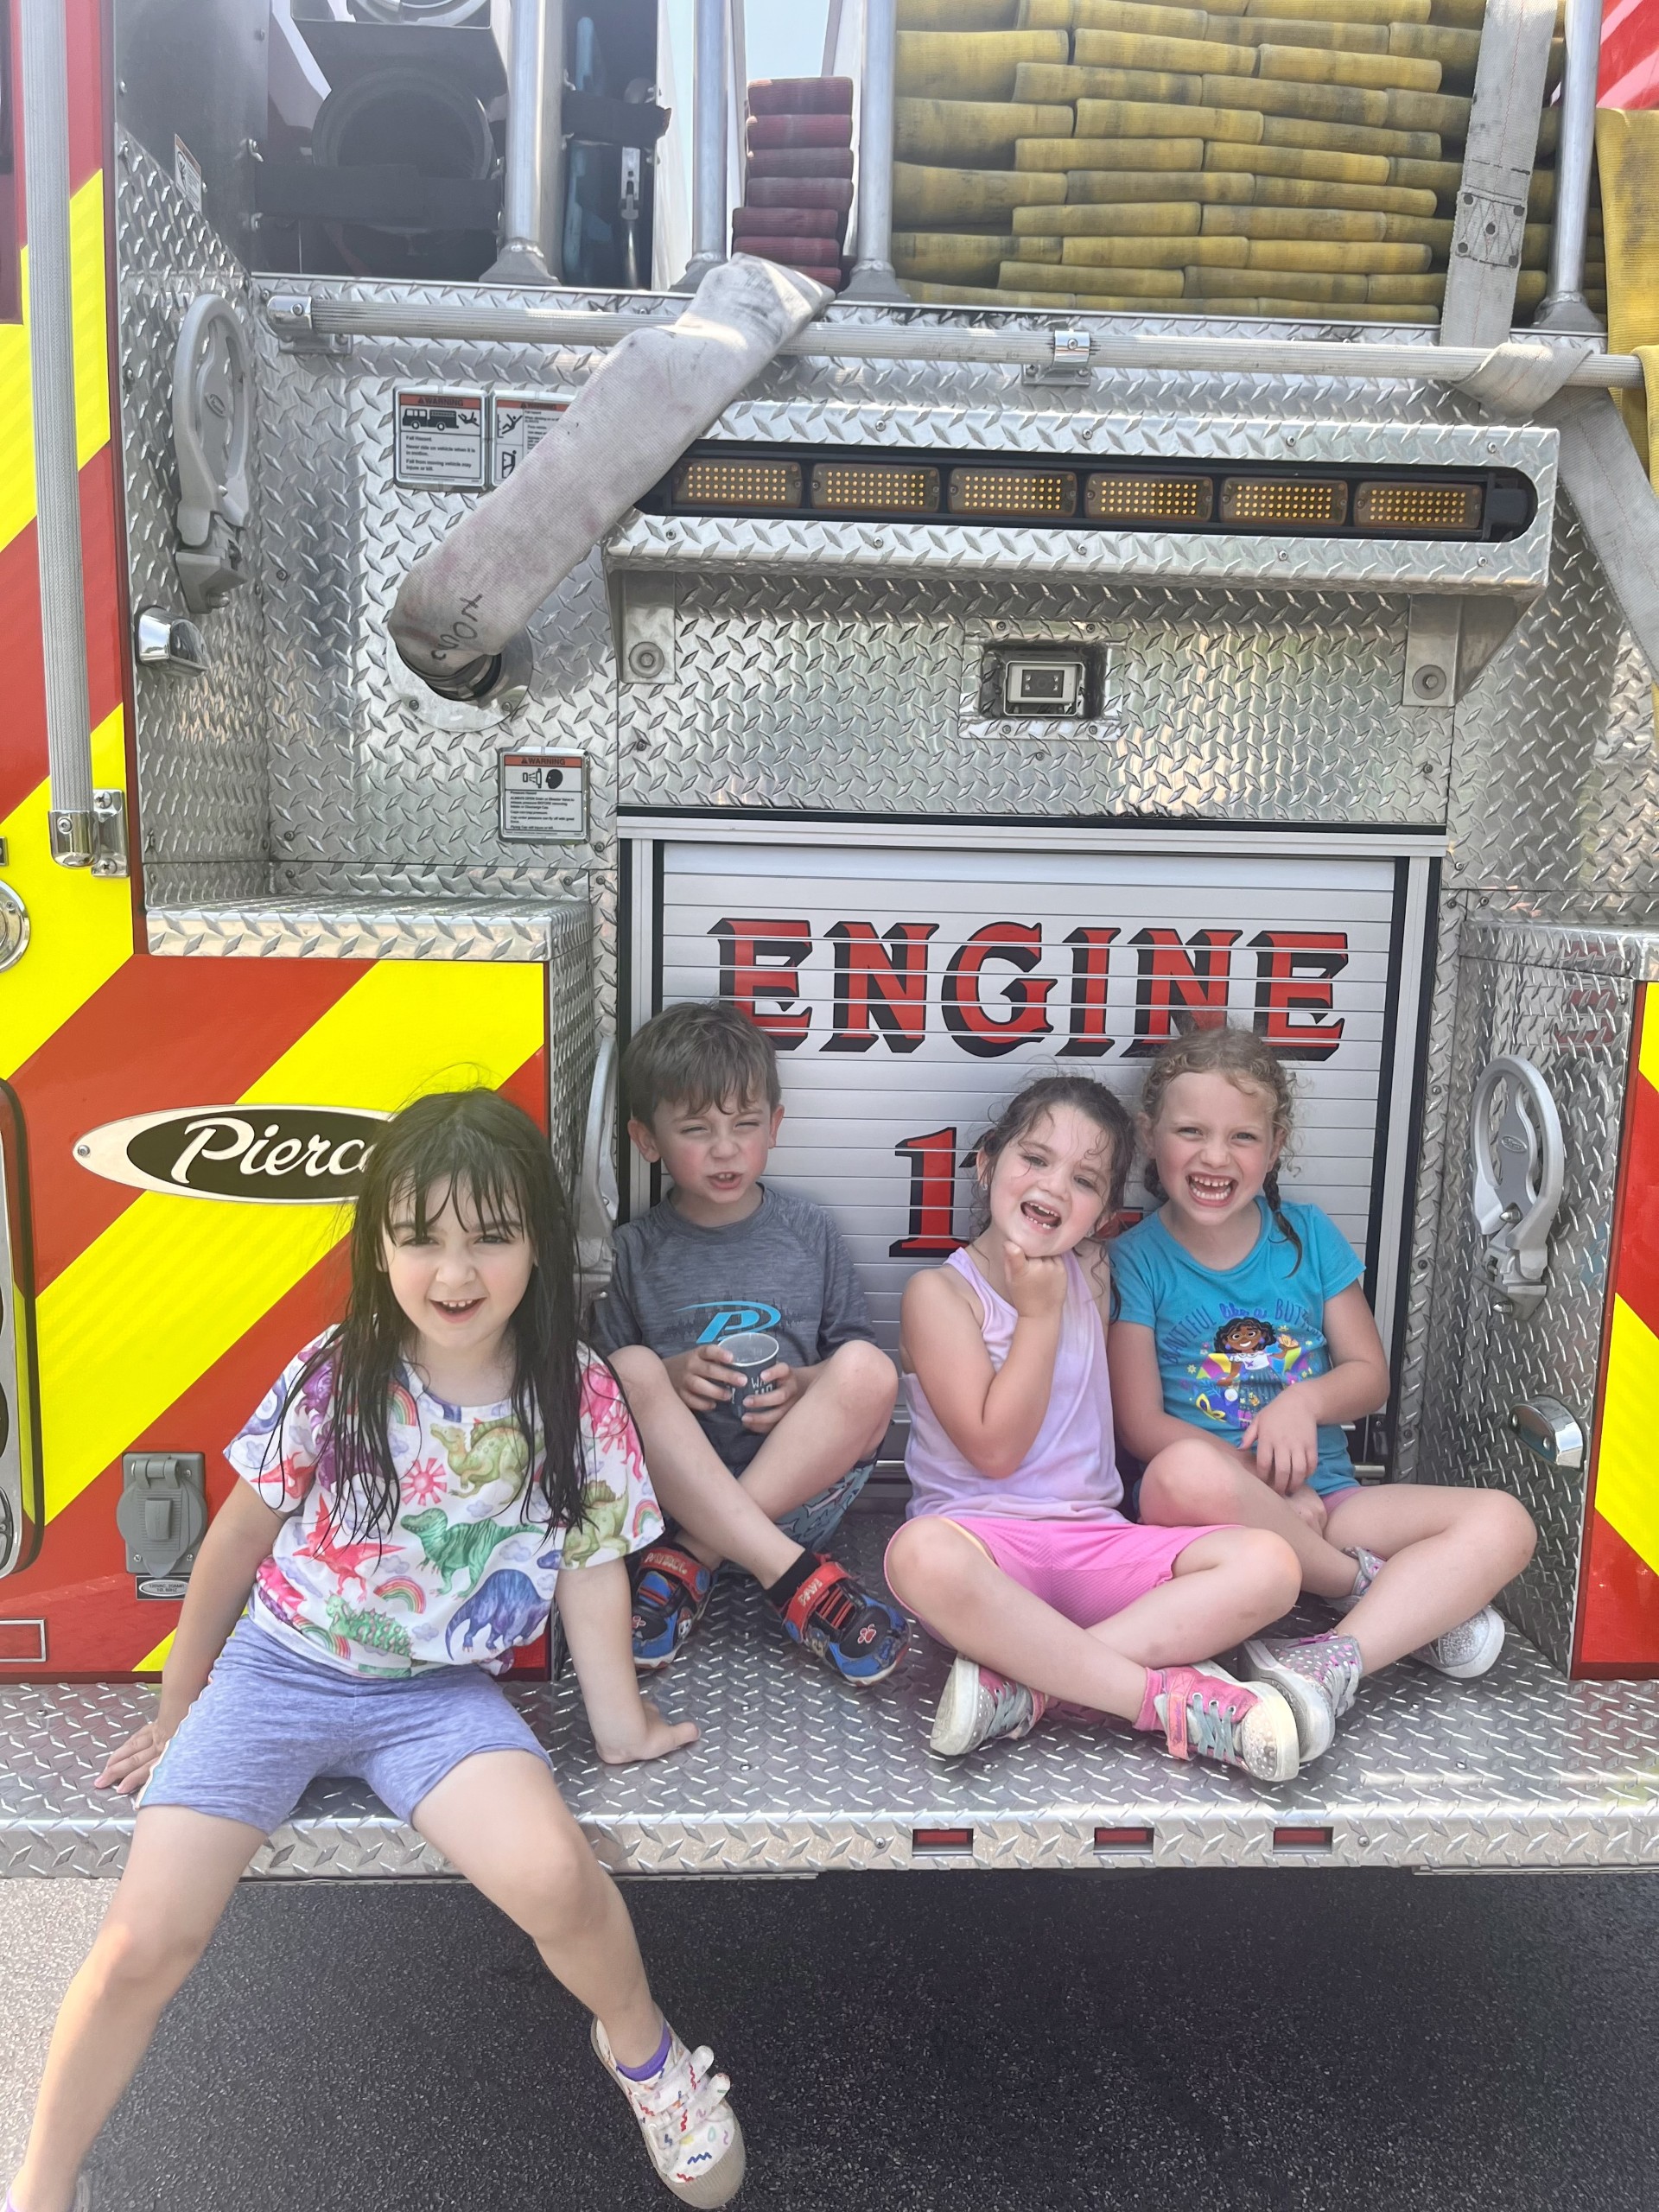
(761, 1472)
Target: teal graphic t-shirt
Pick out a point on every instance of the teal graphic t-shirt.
(1230, 1339)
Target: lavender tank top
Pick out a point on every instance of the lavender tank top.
(1071, 1472)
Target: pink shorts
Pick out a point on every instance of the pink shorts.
(1087, 1570)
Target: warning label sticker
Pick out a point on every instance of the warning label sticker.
(186, 173)
(543, 796)
(438, 443)
(519, 423)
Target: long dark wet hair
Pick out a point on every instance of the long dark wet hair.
(475, 1150)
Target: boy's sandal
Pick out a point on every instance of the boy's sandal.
(671, 1591)
(822, 1607)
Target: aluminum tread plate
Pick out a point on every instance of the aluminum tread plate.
(436, 929)
(796, 1773)
(1518, 566)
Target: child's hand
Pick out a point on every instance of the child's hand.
(1036, 1287)
(703, 1377)
(129, 1766)
(653, 1739)
(1285, 1438)
(777, 1389)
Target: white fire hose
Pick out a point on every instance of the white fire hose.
(459, 617)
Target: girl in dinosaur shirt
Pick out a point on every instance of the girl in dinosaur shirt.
(419, 1487)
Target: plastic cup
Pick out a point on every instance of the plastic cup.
(753, 1353)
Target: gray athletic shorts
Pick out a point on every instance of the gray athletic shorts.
(813, 1523)
(270, 1721)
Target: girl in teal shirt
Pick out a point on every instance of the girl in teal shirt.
(1243, 1315)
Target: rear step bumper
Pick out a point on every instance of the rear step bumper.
(796, 1774)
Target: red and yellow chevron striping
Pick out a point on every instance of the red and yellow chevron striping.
(162, 1319)
(1618, 1604)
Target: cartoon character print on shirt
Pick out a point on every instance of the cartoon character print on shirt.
(465, 1571)
(505, 1610)
(1250, 1363)
(605, 1510)
(490, 1451)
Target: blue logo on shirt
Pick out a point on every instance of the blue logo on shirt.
(728, 1320)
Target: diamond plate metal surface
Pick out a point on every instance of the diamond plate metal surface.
(805, 383)
(433, 930)
(1553, 811)
(1525, 805)
(1402, 1420)
(1517, 568)
(572, 1031)
(861, 693)
(1574, 1025)
(1109, 421)
(201, 741)
(795, 1772)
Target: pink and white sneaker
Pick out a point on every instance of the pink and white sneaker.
(691, 2131)
(1205, 1714)
(976, 1706)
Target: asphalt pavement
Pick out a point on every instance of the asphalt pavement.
(1272, 2042)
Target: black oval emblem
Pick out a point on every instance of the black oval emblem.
(252, 1155)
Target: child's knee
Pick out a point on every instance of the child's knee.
(868, 1378)
(132, 1959)
(1271, 1565)
(1188, 1483)
(1507, 1533)
(557, 1891)
(926, 1561)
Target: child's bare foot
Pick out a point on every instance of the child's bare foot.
(655, 1739)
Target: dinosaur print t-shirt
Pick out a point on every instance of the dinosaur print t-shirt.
(466, 1569)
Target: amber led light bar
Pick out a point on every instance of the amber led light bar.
(947, 489)
(874, 487)
(738, 483)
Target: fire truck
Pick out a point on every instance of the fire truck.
(1062, 624)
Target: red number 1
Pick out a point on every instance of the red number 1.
(932, 1196)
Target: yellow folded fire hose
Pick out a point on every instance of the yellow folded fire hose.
(1041, 143)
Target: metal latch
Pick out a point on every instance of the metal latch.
(290, 315)
(1546, 1427)
(1068, 364)
(162, 1516)
(1517, 1157)
(164, 640)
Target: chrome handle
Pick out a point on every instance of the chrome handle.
(57, 474)
(596, 1190)
(1517, 1171)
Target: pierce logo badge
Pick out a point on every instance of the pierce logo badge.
(249, 1155)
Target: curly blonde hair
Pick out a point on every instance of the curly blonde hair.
(1248, 1064)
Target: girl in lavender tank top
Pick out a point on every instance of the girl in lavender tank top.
(1015, 1551)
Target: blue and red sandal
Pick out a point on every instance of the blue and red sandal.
(835, 1618)
(671, 1591)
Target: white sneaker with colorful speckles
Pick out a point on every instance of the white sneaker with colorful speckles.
(691, 2131)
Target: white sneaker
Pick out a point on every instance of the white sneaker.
(1316, 1676)
(1468, 1651)
(977, 1706)
(691, 2131)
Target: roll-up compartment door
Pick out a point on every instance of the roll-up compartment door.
(911, 991)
